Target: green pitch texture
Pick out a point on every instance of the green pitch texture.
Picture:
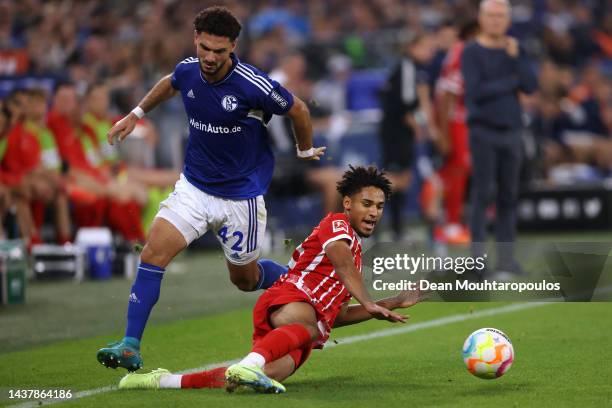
(563, 351)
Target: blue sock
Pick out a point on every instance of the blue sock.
(269, 272)
(144, 295)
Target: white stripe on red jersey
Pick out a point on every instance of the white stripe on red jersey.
(311, 270)
(291, 263)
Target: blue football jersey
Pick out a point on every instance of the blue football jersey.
(228, 153)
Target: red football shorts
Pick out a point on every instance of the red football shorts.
(268, 302)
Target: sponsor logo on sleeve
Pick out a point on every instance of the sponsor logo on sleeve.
(340, 225)
(276, 97)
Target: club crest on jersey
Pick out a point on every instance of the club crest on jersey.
(229, 103)
(340, 225)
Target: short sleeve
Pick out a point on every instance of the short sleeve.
(270, 95)
(334, 229)
(174, 81)
(177, 74)
(279, 101)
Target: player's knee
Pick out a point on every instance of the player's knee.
(245, 277)
(154, 256)
(312, 330)
(244, 283)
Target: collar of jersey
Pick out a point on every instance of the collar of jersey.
(235, 62)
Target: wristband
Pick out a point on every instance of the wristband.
(303, 154)
(138, 112)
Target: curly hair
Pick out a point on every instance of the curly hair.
(217, 21)
(360, 177)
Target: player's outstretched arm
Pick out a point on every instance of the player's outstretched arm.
(353, 314)
(339, 253)
(302, 129)
(161, 92)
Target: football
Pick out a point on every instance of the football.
(488, 353)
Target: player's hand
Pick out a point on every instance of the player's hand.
(317, 152)
(409, 298)
(122, 128)
(512, 47)
(382, 313)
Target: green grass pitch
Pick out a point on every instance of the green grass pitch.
(563, 350)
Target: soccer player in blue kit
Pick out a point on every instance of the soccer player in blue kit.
(228, 167)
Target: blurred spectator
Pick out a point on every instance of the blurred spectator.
(299, 175)
(453, 144)
(330, 91)
(14, 191)
(48, 167)
(133, 158)
(97, 123)
(19, 162)
(445, 36)
(603, 36)
(495, 70)
(97, 195)
(131, 162)
(405, 92)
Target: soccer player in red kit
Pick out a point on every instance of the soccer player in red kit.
(452, 119)
(298, 312)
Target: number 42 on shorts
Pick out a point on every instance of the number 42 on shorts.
(223, 234)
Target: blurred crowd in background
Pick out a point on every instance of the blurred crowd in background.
(69, 69)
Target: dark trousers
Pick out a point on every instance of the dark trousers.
(496, 163)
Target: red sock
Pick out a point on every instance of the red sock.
(282, 341)
(134, 214)
(35, 239)
(38, 213)
(214, 378)
(63, 239)
(125, 218)
(89, 213)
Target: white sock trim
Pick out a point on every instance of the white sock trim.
(254, 359)
(170, 381)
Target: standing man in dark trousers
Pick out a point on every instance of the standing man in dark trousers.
(496, 70)
(405, 93)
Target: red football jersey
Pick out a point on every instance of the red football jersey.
(69, 145)
(22, 154)
(451, 80)
(311, 271)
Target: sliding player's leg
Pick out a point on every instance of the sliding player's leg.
(278, 370)
(275, 315)
(289, 327)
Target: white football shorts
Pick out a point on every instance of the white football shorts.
(239, 225)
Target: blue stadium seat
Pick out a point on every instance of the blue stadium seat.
(359, 149)
(362, 89)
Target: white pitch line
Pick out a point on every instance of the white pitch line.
(443, 321)
(341, 342)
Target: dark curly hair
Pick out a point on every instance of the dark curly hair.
(217, 21)
(360, 177)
